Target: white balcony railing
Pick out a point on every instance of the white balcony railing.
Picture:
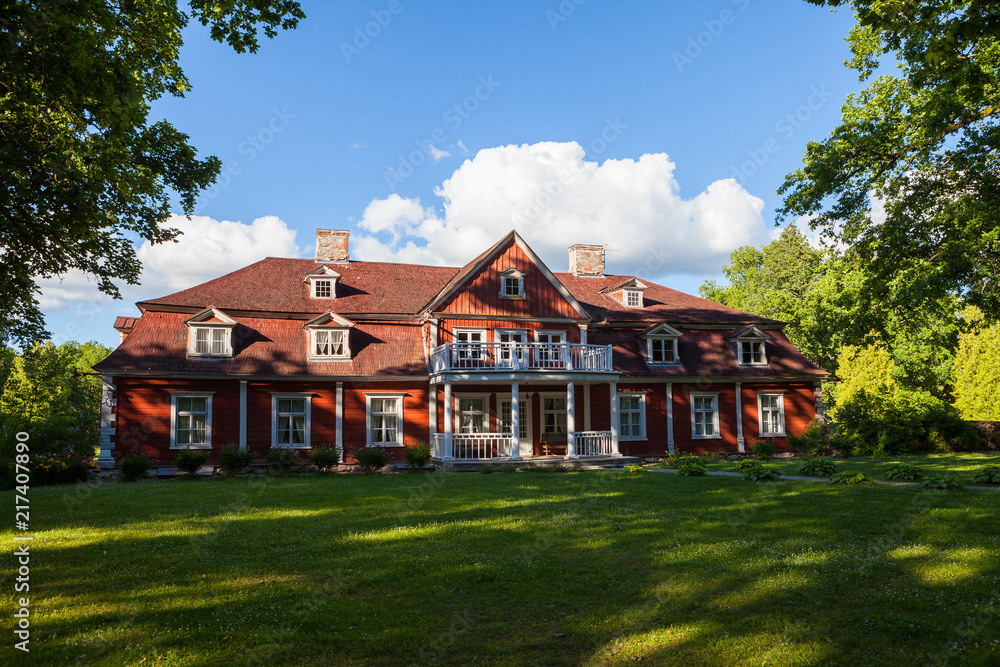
(521, 357)
(593, 443)
(477, 446)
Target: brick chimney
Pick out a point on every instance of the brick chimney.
(586, 260)
(331, 245)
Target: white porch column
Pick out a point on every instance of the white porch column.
(339, 436)
(583, 334)
(432, 410)
(614, 419)
(515, 420)
(570, 421)
(670, 418)
(107, 432)
(447, 420)
(740, 442)
(243, 414)
(586, 407)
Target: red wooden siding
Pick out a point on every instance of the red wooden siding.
(800, 409)
(480, 294)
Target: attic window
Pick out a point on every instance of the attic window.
(511, 284)
(329, 337)
(752, 353)
(633, 299)
(210, 334)
(322, 289)
(322, 283)
(663, 350)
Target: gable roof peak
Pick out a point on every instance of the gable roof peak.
(211, 313)
(328, 319)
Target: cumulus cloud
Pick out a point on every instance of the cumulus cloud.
(437, 153)
(554, 197)
(207, 249)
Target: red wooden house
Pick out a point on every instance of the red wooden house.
(499, 359)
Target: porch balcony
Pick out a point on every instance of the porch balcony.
(518, 357)
(501, 446)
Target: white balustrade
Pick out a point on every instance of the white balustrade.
(593, 443)
(521, 357)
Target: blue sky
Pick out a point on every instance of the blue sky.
(323, 126)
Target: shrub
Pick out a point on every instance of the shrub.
(812, 440)
(761, 473)
(745, 464)
(325, 457)
(190, 460)
(941, 483)
(987, 475)
(763, 449)
(281, 460)
(851, 478)
(418, 455)
(134, 467)
(691, 468)
(635, 469)
(371, 459)
(508, 466)
(232, 459)
(903, 472)
(487, 468)
(818, 468)
(46, 469)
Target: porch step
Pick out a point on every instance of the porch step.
(588, 463)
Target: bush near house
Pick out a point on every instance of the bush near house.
(325, 457)
(281, 460)
(134, 467)
(371, 459)
(418, 455)
(232, 459)
(190, 460)
(763, 449)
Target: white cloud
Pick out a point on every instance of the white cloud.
(555, 198)
(355, 144)
(437, 153)
(207, 249)
(461, 147)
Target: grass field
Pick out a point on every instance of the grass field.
(961, 466)
(593, 568)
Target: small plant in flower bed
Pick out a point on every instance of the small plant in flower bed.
(903, 472)
(418, 455)
(941, 483)
(371, 459)
(48, 469)
(635, 469)
(818, 468)
(763, 449)
(987, 475)
(190, 460)
(851, 478)
(690, 466)
(232, 459)
(746, 464)
(281, 460)
(134, 467)
(325, 457)
(761, 473)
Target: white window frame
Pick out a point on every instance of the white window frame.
(207, 395)
(717, 418)
(369, 441)
(307, 435)
(628, 294)
(760, 413)
(642, 414)
(763, 352)
(457, 413)
(504, 357)
(314, 287)
(541, 402)
(346, 334)
(511, 274)
(470, 355)
(552, 356)
(227, 340)
(523, 416)
(665, 339)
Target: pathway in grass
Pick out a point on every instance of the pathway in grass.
(524, 569)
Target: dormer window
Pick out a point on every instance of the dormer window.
(511, 284)
(322, 283)
(329, 337)
(210, 334)
(660, 344)
(627, 292)
(752, 352)
(751, 346)
(633, 299)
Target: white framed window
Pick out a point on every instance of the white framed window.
(206, 341)
(472, 413)
(771, 408)
(631, 415)
(506, 419)
(322, 288)
(662, 350)
(511, 284)
(191, 420)
(752, 352)
(633, 298)
(705, 416)
(550, 354)
(291, 420)
(513, 341)
(330, 344)
(384, 419)
(553, 414)
(470, 353)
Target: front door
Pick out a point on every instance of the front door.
(513, 340)
(505, 424)
(550, 354)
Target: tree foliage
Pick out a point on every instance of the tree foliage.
(83, 173)
(977, 370)
(925, 141)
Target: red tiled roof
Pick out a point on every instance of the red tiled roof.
(125, 324)
(275, 284)
(703, 353)
(661, 303)
(269, 346)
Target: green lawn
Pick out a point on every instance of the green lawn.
(593, 568)
(962, 466)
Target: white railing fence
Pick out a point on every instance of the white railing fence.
(478, 446)
(521, 356)
(593, 443)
